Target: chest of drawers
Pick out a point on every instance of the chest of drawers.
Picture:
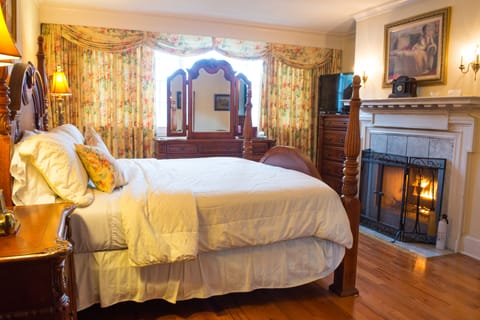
(331, 140)
(193, 148)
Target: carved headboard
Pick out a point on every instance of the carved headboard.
(23, 106)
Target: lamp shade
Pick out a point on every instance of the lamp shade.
(60, 84)
(8, 50)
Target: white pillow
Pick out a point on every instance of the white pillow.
(70, 130)
(29, 187)
(53, 155)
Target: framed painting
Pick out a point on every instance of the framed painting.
(222, 102)
(9, 9)
(416, 47)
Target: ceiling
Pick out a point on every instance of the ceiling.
(329, 16)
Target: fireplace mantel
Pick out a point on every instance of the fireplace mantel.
(440, 103)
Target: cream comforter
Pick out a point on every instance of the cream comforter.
(172, 210)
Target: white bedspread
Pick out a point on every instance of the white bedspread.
(159, 217)
(222, 203)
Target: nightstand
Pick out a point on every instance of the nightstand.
(36, 266)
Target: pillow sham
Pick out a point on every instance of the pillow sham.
(100, 166)
(70, 130)
(92, 138)
(53, 155)
(29, 186)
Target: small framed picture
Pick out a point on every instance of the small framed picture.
(222, 102)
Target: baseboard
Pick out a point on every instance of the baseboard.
(471, 247)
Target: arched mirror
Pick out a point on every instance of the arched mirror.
(215, 97)
(212, 109)
(176, 104)
(241, 87)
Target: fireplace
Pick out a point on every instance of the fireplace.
(402, 196)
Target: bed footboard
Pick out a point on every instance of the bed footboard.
(292, 158)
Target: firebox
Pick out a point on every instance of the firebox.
(401, 196)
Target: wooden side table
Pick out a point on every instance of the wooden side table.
(36, 266)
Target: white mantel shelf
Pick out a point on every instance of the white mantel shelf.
(450, 102)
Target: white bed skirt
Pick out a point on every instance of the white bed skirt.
(106, 277)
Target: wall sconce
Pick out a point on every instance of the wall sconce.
(59, 90)
(475, 64)
(364, 77)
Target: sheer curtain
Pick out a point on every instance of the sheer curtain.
(112, 76)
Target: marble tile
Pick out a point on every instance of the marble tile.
(378, 143)
(422, 249)
(441, 148)
(397, 144)
(417, 146)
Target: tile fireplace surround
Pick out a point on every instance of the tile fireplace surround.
(436, 127)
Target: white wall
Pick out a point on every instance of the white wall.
(28, 29)
(464, 31)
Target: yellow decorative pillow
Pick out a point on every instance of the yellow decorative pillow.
(99, 166)
(92, 138)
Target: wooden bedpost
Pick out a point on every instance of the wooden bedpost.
(5, 138)
(43, 74)
(345, 275)
(247, 128)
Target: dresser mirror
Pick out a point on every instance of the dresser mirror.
(214, 98)
(176, 103)
(241, 86)
(211, 92)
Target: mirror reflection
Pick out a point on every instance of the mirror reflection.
(176, 103)
(207, 101)
(241, 85)
(211, 102)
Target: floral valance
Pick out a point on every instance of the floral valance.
(303, 57)
(116, 40)
(103, 39)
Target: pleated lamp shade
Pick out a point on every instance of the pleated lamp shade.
(60, 83)
(8, 50)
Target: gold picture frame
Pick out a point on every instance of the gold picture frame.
(417, 47)
(9, 9)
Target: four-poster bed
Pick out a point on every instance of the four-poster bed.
(305, 254)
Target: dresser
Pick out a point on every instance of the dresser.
(193, 148)
(332, 129)
(36, 266)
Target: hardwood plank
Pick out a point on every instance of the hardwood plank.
(394, 284)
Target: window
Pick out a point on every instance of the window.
(166, 64)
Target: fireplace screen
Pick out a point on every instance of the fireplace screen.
(402, 196)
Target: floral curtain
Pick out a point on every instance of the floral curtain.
(112, 75)
(289, 98)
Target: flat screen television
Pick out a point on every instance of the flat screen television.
(333, 88)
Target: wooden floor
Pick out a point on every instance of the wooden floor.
(393, 284)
